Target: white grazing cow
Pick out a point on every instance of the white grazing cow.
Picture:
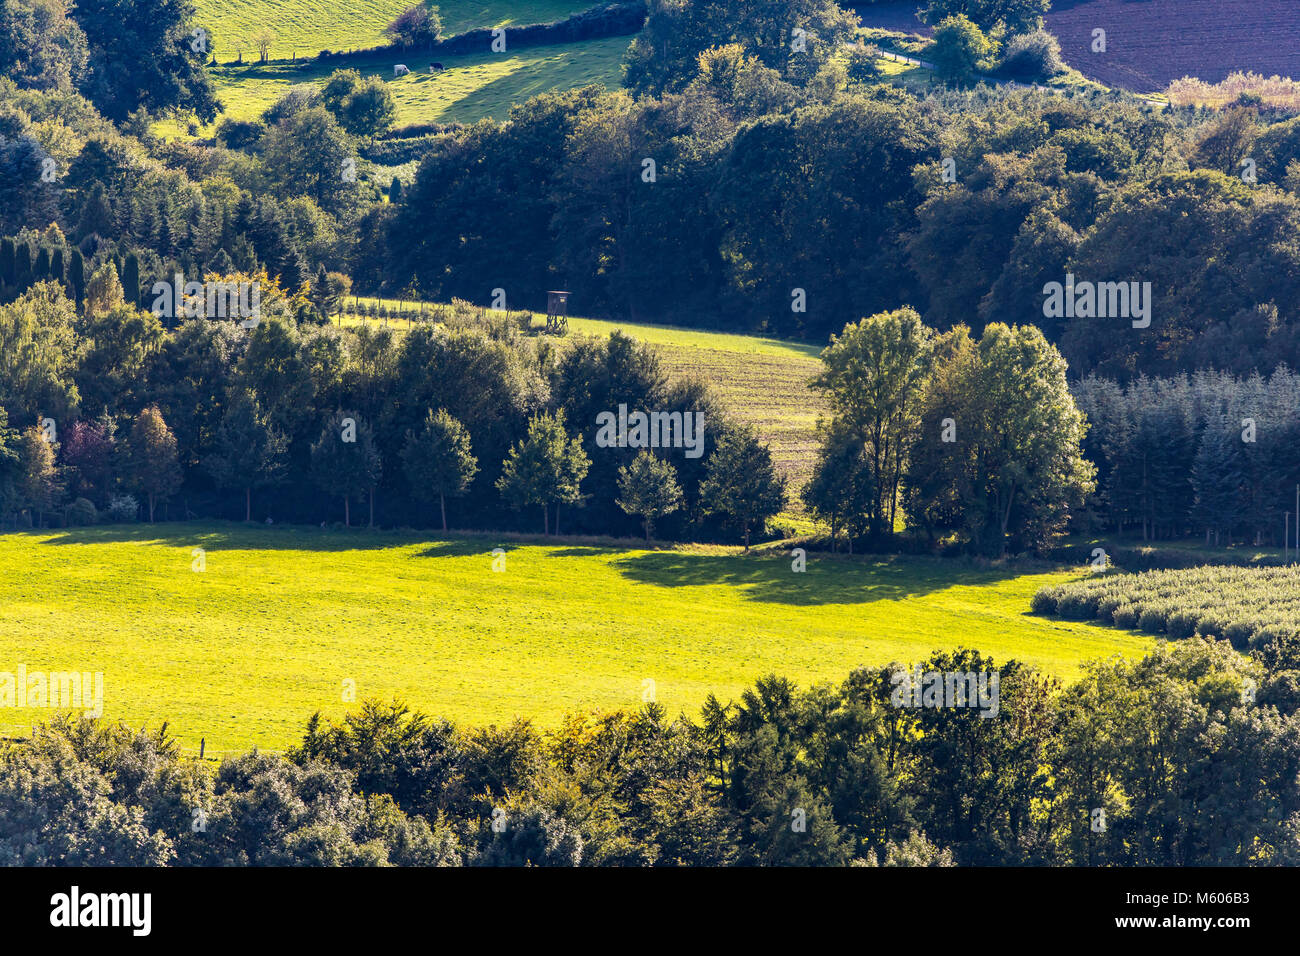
(401, 69)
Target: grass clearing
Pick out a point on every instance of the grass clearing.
(470, 87)
(762, 382)
(309, 26)
(245, 651)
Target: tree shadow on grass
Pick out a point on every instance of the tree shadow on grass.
(827, 580)
(213, 535)
(467, 548)
(581, 552)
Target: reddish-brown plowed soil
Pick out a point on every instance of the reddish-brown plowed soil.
(1152, 42)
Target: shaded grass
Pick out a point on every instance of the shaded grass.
(244, 652)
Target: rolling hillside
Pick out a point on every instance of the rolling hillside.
(470, 88)
(309, 26)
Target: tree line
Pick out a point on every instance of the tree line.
(733, 183)
(468, 416)
(1210, 454)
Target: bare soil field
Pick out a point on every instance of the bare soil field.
(1150, 43)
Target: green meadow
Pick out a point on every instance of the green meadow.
(470, 87)
(309, 26)
(242, 652)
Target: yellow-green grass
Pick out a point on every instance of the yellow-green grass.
(309, 26)
(470, 87)
(244, 651)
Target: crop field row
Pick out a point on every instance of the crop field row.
(1248, 606)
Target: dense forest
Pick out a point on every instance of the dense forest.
(729, 185)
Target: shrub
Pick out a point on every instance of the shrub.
(1152, 618)
(1126, 616)
(1046, 601)
(81, 512)
(1077, 606)
(122, 508)
(1032, 56)
(1182, 624)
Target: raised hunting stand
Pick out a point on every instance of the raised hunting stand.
(557, 312)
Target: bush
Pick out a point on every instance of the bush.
(1032, 56)
(1077, 607)
(1126, 616)
(80, 512)
(1152, 618)
(239, 134)
(1046, 601)
(1182, 624)
(959, 49)
(1107, 605)
(123, 508)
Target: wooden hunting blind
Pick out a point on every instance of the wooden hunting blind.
(557, 312)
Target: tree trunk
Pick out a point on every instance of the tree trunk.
(442, 504)
(647, 530)
(347, 512)
(248, 504)
(546, 521)
(746, 537)
(151, 503)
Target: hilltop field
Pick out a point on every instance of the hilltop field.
(306, 27)
(468, 89)
(243, 652)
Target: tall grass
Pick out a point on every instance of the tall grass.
(1273, 90)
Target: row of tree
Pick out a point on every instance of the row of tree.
(471, 410)
(1209, 454)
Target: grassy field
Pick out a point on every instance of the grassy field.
(243, 652)
(309, 26)
(470, 88)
